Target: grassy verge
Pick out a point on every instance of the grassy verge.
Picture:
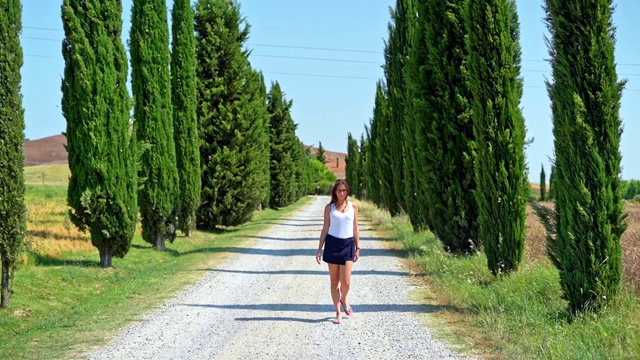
(521, 316)
(64, 304)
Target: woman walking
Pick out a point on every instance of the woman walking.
(340, 237)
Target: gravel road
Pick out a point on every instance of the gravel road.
(272, 301)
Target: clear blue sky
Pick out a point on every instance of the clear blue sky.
(327, 56)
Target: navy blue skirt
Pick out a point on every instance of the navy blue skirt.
(338, 250)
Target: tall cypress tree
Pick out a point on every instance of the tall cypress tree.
(363, 146)
(260, 112)
(445, 149)
(232, 129)
(281, 133)
(416, 75)
(320, 155)
(585, 101)
(12, 189)
(96, 105)
(543, 184)
(376, 153)
(551, 193)
(395, 57)
(501, 180)
(153, 114)
(352, 166)
(185, 123)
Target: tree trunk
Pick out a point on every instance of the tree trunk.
(6, 266)
(189, 233)
(159, 245)
(105, 257)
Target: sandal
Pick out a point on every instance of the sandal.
(337, 321)
(347, 310)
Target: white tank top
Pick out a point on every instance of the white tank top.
(341, 224)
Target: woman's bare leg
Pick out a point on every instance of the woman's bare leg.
(334, 274)
(345, 281)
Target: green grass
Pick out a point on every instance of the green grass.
(64, 305)
(47, 175)
(521, 316)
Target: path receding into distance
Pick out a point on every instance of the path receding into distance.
(272, 301)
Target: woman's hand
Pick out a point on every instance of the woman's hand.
(357, 255)
(319, 256)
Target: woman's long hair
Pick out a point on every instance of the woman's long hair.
(334, 196)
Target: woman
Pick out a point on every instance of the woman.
(340, 237)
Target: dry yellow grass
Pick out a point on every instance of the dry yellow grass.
(535, 247)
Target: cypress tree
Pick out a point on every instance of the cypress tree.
(551, 193)
(96, 105)
(445, 147)
(185, 123)
(501, 180)
(362, 193)
(395, 57)
(281, 134)
(416, 77)
(261, 112)
(302, 171)
(543, 185)
(376, 153)
(153, 114)
(12, 189)
(320, 155)
(352, 166)
(585, 101)
(232, 117)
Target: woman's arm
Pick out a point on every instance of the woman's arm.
(356, 231)
(325, 230)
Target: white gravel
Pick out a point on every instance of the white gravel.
(272, 301)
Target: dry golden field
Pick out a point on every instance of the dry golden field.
(535, 247)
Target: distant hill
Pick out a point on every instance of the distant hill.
(334, 162)
(48, 150)
(51, 150)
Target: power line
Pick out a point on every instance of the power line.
(293, 47)
(321, 75)
(319, 59)
(315, 48)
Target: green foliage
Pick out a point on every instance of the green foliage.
(185, 122)
(376, 157)
(441, 114)
(585, 93)
(153, 114)
(353, 167)
(302, 171)
(392, 142)
(320, 176)
(96, 105)
(543, 185)
(501, 181)
(320, 155)
(12, 188)
(551, 193)
(283, 145)
(232, 115)
(630, 189)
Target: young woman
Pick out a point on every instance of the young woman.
(340, 237)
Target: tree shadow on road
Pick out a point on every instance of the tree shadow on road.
(356, 272)
(321, 308)
(287, 319)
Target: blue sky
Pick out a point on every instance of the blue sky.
(327, 56)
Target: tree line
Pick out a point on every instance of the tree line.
(201, 142)
(446, 141)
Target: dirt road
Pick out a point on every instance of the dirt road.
(272, 301)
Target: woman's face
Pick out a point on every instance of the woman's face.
(341, 192)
